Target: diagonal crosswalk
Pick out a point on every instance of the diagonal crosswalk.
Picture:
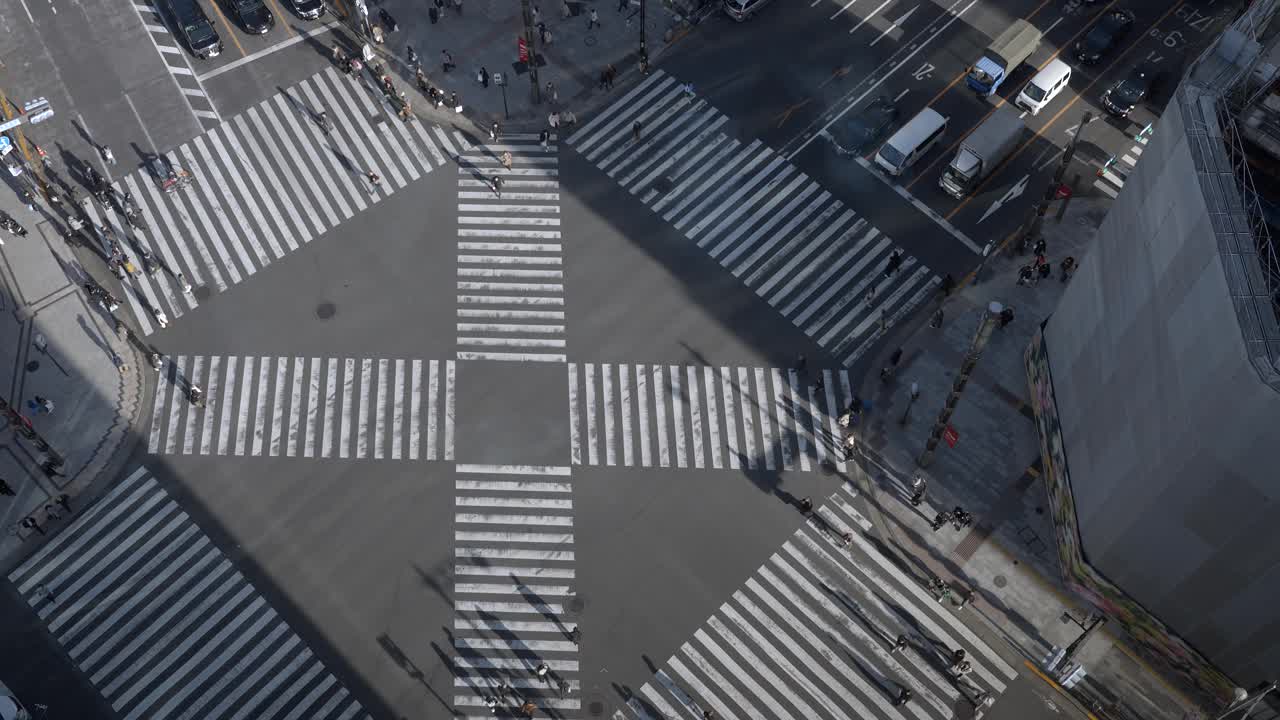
(795, 245)
(510, 271)
(514, 591)
(700, 417)
(164, 625)
(308, 407)
(812, 634)
(265, 182)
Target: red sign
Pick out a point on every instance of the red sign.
(524, 49)
(951, 435)
(1064, 191)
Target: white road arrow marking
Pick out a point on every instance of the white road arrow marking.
(895, 24)
(1012, 194)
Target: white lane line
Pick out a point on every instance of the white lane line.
(589, 373)
(642, 394)
(246, 389)
(415, 408)
(362, 420)
(748, 420)
(730, 420)
(228, 397)
(660, 396)
(295, 406)
(766, 424)
(260, 414)
(211, 392)
(177, 403)
(471, 468)
(606, 377)
(780, 414)
(397, 411)
(624, 392)
(162, 392)
(330, 405)
(433, 402)
(380, 409)
(713, 415)
(575, 442)
(344, 427)
(277, 408)
(695, 416)
(450, 373)
(677, 416)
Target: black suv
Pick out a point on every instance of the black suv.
(254, 16)
(195, 27)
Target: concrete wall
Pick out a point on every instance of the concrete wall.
(1172, 441)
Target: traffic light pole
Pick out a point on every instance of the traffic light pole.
(1051, 192)
(980, 339)
(526, 11)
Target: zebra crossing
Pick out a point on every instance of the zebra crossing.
(510, 272)
(306, 407)
(1112, 176)
(706, 417)
(264, 182)
(163, 623)
(812, 634)
(514, 590)
(794, 244)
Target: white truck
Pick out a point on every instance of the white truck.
(982, 151)
(1009, 50)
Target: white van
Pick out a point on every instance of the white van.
(911, 141)
(1044, 87)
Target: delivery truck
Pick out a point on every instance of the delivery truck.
(1009, 50)
(982, 151)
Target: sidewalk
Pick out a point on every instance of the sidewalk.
(484, 35)
(95, 404)
(1008, 555)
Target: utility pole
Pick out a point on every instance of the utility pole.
(644, 50)
(527, 12)
(1051, 192)
(980, 339)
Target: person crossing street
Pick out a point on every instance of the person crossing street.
(496, 184)
(506, 160)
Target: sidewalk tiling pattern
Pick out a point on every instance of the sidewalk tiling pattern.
(793, 243)
(706, 417)
(305, 407)
(510, 274)
(263, 182)
(811, 635)
(162, 623)
(514, 589)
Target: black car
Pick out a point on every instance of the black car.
(1105, 34)
(860, 133)
(195, 27)
(254, 17)
(308, 9)
(1120, 99)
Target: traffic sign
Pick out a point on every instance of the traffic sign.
(6, 146)
(1064, 191)
(951, 435)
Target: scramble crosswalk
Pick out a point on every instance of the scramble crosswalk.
(1112, 176)
(510, 273)
(795, 245)
(706, 417)
(514, 591)
(265, 182)
(307, 407)
(164, 625)
(812, 634)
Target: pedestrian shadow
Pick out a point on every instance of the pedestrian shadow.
(95, 335)
(886, 684)
(535, 601)
(429, 579)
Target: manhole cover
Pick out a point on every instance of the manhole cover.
(999, 581)
(33, 366)
(326, 310)
(828, 468)
(202, 293)
(577, 604)
(595, 708)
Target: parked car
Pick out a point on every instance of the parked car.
(743, 9)
(1104, 36)
(1138, 84)
(859, 134)
(254, 16)
(308, 9)
(194, 26)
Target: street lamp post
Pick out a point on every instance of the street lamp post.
(535, 92)
(500, 79)
(980, 339)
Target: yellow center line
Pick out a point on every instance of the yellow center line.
(231, 29)
(977, 190)
(283, 17)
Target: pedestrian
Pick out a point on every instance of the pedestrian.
(50, 469)
(182, 283)
(611, 73)
(544, 137)
(576, 635)
(506, 160)
(553, 120)
(846, 539)
(544, 672)
(433, 14)
(378, 37)
(413, 56)
(965, 599)
(121, 366)
(568, 118)
(888, 371)
(917, 497)
(1006, 316)
(948, 284)
(604, 79)
(6, 490)
(537, 14)
(1045, 270)
(894, 261)
(802, 363)
(635, 130)
(528, 709)
(552, 94)
(904, 695)
(483, 76)
(884, 321)
(546, 34)
(918, 483)
(806, 505)
(457, 6)
(494, 131)
(562, 686)
(160, 317)
(708, 715)
(42, 591)
(870, 298)
(622, 4)
(1041, 247)
(939, 520)
(30, 523)
(899, 645)
(496, 184)
(373, 178)
(850, 445)
(593, 20)
(818, 382)
(64, 500)
(52, 513)
(936, 320)
(1026, 276)
(323, 120)
(492, 703)
(40, 405)
(566, 12)
(446, 60)
(454, 102)
(644, 63)
(108, 155)
(1068, 267)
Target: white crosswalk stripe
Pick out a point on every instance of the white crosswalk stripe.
(515, 590)
(694, 416)
(812, 633)
(510, 261)
(163, 623)
(307, 407)
(1112, 177)
(264, 182)
(772, 226)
